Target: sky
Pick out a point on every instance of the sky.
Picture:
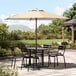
(12, 7)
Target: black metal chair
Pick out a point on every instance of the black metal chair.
(59, 52)
(26, 55)
(46, 46)
(13, 57)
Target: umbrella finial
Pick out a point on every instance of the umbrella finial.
(36, 9)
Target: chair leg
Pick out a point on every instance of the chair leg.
(26, 62)
(64, 61)
(49, 60)
(57, 60)
(27, 65)
(22, 62)
(14, 62)
(54, 61)
(33, 63)
(38, 63)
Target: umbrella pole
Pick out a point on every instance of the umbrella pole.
(36, 34)
(36, 40)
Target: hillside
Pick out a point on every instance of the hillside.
(19, 27)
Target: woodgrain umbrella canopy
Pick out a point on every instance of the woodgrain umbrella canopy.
(35, 14)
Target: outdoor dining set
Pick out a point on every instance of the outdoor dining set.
(31, 56)
(37, 53)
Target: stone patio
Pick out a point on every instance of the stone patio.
(59, 70)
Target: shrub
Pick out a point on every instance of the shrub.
(3, 52)
(6, 71)
(55, 45)
(17, 51)
(64, 43)
(73, 45)
(5, 44)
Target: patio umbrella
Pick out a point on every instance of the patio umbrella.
(35, 14)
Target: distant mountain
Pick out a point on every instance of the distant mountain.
(1, 21)
(19, 27)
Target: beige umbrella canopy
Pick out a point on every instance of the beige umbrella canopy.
(35, 14)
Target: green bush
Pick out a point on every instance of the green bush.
(5, 44)
(55, 45)
(73, 45)
(17, 44)
(3, 52)
(6, 71)
(64, 43)
(17, 51)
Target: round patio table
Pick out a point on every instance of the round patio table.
(38, 49)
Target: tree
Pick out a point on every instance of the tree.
(71, 13)
(3, 31)
(55, 28)
(43, 29)
(16, 34)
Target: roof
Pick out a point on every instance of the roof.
(70, 22)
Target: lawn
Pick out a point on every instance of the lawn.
(46, 41)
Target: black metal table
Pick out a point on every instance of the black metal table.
(38, 49)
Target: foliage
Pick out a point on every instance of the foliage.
(64, 43)
(15, 35)
(6, 71)
(71, 13)
(55, 28)
(19, 35)
(3, 31)
(73, 45)
(17, 51)
(3, 52)
(52, 30)
(5, 48)
(4, 43)
(43, 29)
(55, 45)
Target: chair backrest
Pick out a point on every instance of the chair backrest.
(46, 46)
(61, 49)
(24, 50)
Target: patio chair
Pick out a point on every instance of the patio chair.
(55, 54)
(13, 57)
(46, 46)
(25, 55)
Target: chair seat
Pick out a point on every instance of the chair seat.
(59, 54)
(52, 54)
(27, 56)
(53, 51)
(33, 56)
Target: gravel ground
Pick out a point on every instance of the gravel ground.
(59, 70)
